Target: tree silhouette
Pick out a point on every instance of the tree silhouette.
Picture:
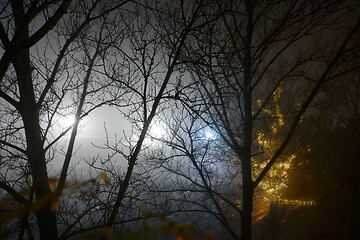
(39, 69)
(214, 92)
(239, 62)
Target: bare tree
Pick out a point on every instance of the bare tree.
(143, 67)
(197, 175)
(41, 71)
(214, 74)
(248, 58)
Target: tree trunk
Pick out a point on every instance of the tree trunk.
(247, 183)
(29, 111)
(354, 176)
(45, 215)
(247, 208)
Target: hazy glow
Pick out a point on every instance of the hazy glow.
(276, 180)
(66, 121)
(157, 131)
(208, 134)
(154, 135)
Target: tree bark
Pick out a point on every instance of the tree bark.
(45, 215)
(247, 184)
(36, 155)
(29, 111)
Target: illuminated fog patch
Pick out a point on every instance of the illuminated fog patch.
(208, 134)
(157, 131)
(66, 121)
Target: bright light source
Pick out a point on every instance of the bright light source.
(66, 121)
(208, 134)
(157, 131)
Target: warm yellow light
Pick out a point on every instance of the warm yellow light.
(296, 202)
(275, 182)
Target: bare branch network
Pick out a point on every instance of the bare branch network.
(220, 119)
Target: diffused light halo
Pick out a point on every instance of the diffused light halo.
(67, 120)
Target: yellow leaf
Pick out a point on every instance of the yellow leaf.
(104, 178)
